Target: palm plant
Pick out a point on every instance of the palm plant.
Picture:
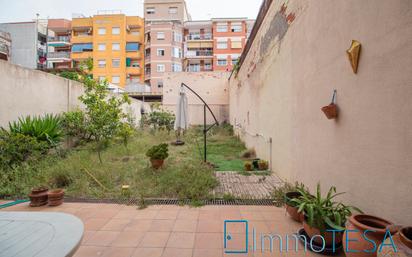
(323, 212)
(44, 129)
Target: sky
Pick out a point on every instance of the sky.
(26, 10)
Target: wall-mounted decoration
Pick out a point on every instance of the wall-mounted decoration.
(353, 54)
(331, 110)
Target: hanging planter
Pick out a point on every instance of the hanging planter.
(331, 110)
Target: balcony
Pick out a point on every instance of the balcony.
(199, 54)
(133, 70)
(58, 56)
(82, 38)
(59, 41)
(207, 36)
(134, 55)
(199, 68)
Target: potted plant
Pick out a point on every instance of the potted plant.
(157, 155)
(403, 242)
(322, 214)
(292, 207)
(263, 165)
(38, 196)
(248, 166)
(56, 197)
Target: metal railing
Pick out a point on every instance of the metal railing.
(59, 39)
(198, 53)
(199, 37)
(56, 55)
(199, 68)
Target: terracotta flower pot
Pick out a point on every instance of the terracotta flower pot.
(263, 166)
(56, 197)
(328, 236)
(358, 224)
(291, 209)
(331, 111)
(38, 196)
(156, 164)
(248, 167)
(403, 243)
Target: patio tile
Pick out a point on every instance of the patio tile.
(102, 238)
(155, 239)
(87, 234)
(208, 241)
(188, 215)
(95, 223)
(209, 215)
(90, 251)
(167, 215)
(207, 253)
(229, 214)
(176, 252)
(185, 226)
(162, 225)
(118, 252)
(128, 239)
(138, 225)
(252, 215)
(210, 226)
(145, 214)
(107, 213)
(148, 252)
(125, 214)
(181, 240)
(116, 224)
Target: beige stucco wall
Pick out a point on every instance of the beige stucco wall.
(30, 92)
(211, 86)
(296, 61)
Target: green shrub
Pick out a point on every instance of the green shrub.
(125, 133)
(278, 194)
(160, 119)
(158, 152)
(73, 75)
(16, 148)
(43, 129)
(73, 124)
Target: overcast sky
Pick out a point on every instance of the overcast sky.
(25, 10)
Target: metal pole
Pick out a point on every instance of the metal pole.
(204, 132)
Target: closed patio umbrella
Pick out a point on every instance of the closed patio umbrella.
(181, 122)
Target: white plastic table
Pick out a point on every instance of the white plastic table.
(40, 234)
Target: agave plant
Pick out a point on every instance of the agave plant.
(323, 212)
(44, 129)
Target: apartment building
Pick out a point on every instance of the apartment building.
(164, 21)
(115, 42)
(29, 43)
(198, 46)
(5, 46)
(58, 44)
(229, 39)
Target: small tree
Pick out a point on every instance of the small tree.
(103, 112)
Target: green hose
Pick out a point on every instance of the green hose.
(13, 203)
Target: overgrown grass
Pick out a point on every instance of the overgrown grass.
(183, 176)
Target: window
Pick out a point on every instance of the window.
(102, 79)
(177, 37)
(208, 66)
(115, 46)
(221, 45)
(78, 48)
(115, 79)
(160, 52)
(101, 47)
(132, 47)
(160, 35)
(101, 63)
(101, 31)
(150, 10)
(221, 28)
(115, 30)
(176, 67)
(116, 63)
(135, 32)
(236, 44)
(177, 52)
(135, 63)
(172, 10)
(194, 67)
(236, 27)
(160, 84)
(160, 68)
(221, 62)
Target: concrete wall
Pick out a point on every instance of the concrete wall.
(211, 86)
(30, 92)
(296, 61)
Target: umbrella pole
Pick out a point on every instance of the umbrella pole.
(204, 133)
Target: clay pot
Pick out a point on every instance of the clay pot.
(38, 196)
(262, 166)
(331, 111)
(248, 167)
(403, 243)
(328, 236)
(156, 164)
(56, 197)
(358, 224)
(291, 209)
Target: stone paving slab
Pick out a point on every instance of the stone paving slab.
(247, 187)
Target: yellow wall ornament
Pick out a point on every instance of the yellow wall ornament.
(353, 54)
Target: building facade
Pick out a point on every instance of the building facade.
(114, 42)
(164, 21)
(29, 43)
(5, 46)
(58, 44)
(198, 46)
